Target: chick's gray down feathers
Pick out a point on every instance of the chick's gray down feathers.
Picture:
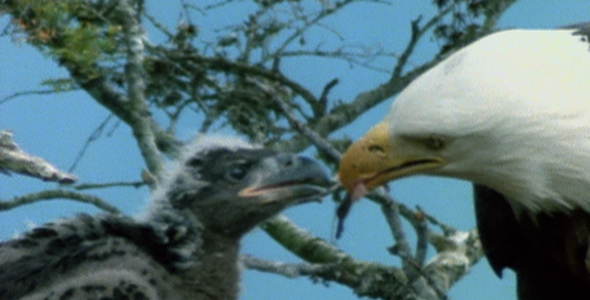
(186, 244)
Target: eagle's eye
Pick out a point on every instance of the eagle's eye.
(237, 172)
(434, 142)
(194, 162)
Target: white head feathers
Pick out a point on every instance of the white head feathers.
(515, 107)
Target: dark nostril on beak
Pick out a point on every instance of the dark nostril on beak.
(376, 148)
(302, 169)
(289, 161)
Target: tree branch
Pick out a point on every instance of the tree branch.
(301, 242)
(222, 64)
(285, 269)
(12, 158)
(26, 93)
(402, 247)
(88, 186)
(140, 124)
(331, 264)
(321, 143)
(56, 195)
(421, 228)
(456, 254)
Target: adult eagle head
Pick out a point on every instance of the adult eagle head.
(511, 113)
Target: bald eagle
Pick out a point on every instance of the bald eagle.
(184, 247)
(510, 113)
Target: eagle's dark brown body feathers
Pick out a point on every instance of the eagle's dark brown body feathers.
(549, 254)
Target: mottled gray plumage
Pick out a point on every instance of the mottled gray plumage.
(184, 247)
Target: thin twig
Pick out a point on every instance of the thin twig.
(363, 58)
(26, 93)
(447, 229)
(88, 186)
(320, 143)
(95, 135)
(309, 23)
(421, 228)
(390, 210)
(416, 35)
(56, 195)
(158, 25)
(319, 108)
(222, 64)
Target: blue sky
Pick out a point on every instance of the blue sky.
(56, 127)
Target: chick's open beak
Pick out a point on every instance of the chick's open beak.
(288, 178)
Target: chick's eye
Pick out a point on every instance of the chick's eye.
(237, 172)
(194, 162)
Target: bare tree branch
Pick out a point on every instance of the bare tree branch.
(285, 269)
(301, 242)
(57, 195)
(140, 123)
(219, 63)
(26, 93)
(93, 137)
(421, 228)
(456, 254)
(320, 108)
(309, 23)
(447, 229)
(88, 186)
(402, 247)
(12, 158)
(321, 143)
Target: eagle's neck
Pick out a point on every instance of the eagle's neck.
(206, 261)
(216, 274)
(542, 165)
